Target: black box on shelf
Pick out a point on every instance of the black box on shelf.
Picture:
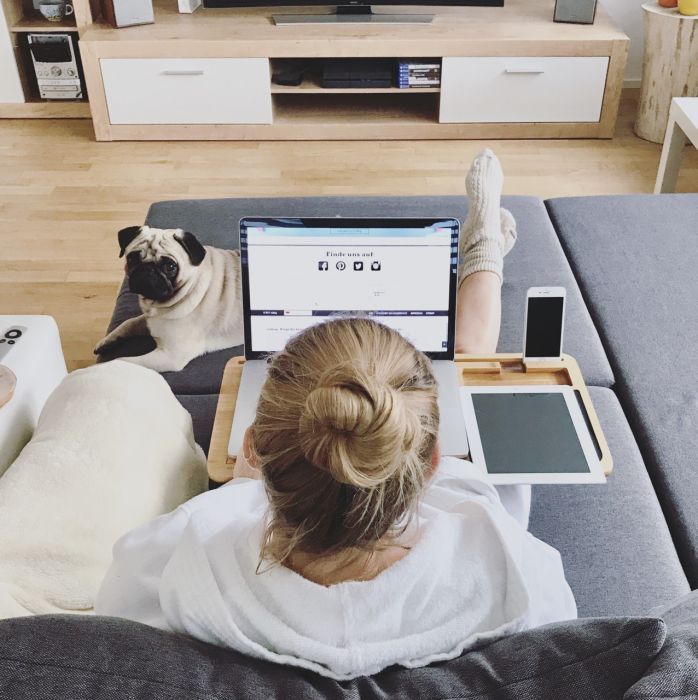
(358, 73)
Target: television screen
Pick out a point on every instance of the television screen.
(302, 3)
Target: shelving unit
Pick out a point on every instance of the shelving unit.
(199, 46)
(19, 96)
(39, 24)
(207, 75)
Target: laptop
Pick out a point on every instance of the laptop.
(297, 272)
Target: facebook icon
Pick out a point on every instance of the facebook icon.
(322, 265)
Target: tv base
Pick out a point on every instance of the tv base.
(354, 14)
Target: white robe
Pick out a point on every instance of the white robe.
(474, 574)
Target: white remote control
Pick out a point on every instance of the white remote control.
(10, 338)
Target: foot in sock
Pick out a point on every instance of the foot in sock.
(489, 232)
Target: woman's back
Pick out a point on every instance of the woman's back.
(473, 573)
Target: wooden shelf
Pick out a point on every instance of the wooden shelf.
(20, 19)
(312, 86)
(355, 111)
(39, 24)
(520, 27)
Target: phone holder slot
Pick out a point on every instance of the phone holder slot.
(483, 367)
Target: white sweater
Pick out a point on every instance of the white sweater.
(474, 575)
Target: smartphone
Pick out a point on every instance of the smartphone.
(544, 324)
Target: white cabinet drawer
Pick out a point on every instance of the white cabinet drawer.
(522, 89)
(187, 90)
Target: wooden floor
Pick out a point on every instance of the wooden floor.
(63, 196)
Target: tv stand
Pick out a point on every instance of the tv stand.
(506, 73)
(357, 13)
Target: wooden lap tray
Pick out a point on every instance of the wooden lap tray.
(475, 370)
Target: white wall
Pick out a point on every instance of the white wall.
(10, 87)
(628, 16)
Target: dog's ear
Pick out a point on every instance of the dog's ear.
(126, 235)
(190, 243)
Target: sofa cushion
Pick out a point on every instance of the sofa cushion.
(615, 545)
(202, 408)
(674, 672)
(82, 658)
(635, 258)
(537, 259)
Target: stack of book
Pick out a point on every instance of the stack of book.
(415, 73)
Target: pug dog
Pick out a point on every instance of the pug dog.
(189, 294)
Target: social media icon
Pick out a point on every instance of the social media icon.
(358, 265)
(322, 265)
(375, 265)
(341, 265)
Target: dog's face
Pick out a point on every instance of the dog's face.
(159, 261)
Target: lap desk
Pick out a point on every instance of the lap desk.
(505, 370)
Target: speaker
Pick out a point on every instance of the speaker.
(126, 13)
(575, 11)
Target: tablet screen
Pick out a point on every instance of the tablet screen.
(525, 433)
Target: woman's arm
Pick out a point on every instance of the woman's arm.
(131, 588)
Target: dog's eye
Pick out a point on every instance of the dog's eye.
(169, 267)
(133, 258)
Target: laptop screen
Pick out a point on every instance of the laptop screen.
(298, 272)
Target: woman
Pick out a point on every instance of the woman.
(346, 544)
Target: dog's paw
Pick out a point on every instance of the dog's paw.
(104, 346)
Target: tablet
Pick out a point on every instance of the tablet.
(530, 435)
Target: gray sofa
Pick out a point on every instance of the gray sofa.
(628, 547)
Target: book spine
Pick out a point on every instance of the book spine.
(420, 74)
(419, 70)
(420, 77)
(419, 63)
(421, 84)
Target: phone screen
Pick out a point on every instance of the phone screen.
(544, 327)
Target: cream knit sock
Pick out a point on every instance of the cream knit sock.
(489, 232)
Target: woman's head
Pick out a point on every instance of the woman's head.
(345, 434)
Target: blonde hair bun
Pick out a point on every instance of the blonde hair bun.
(345, 434)
(356, 427)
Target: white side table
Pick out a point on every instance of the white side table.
(31, 347)
(682, 125)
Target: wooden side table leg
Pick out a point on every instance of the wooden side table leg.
(670, 162)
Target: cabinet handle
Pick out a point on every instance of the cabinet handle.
(182, 72)
(524, 71)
